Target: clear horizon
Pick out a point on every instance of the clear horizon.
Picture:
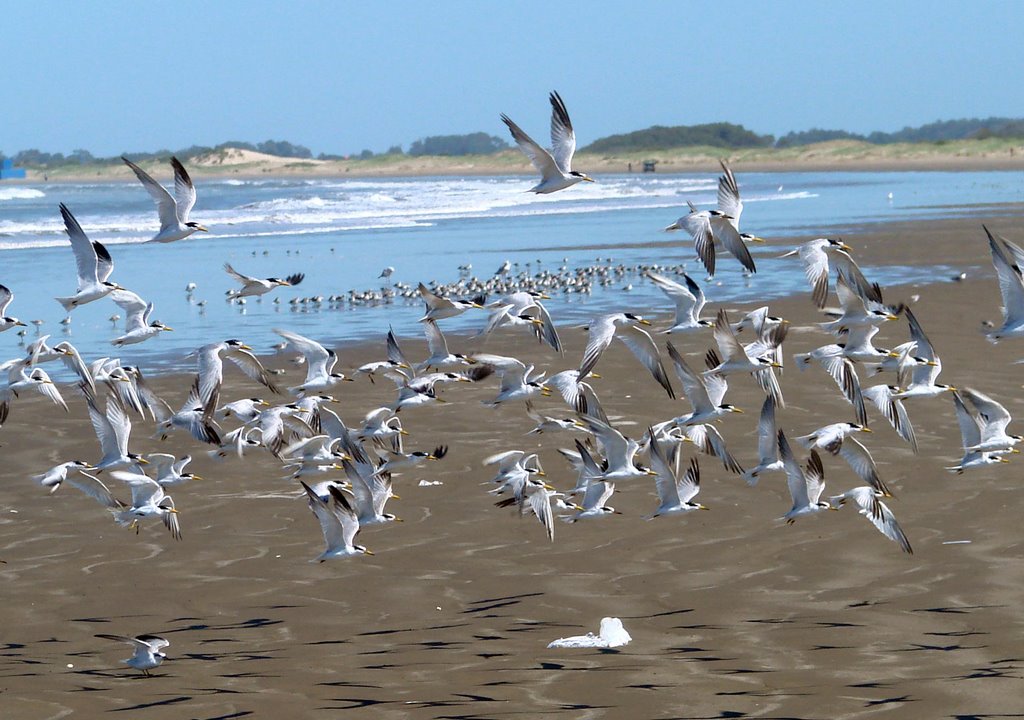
(339, 78)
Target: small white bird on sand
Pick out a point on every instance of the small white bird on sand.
(148, 648)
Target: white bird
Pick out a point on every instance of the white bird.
(7, 322)
(675, 494)
(886, 399)
(709, 441)
(993, 419)
(605, 328)
(538, 501)
(705, 392)
(278, 423)
(755, 359)
(20, 381)
(440, 308)
(386, 273)
(211, 367)
(729, 201)
(836, 439)
(173, 211)
(320, 362)
(555, 166)
(870, 506)
(254, 287)
(805, 486)
(169, 470)
(382, 425)
(56, 475)
(371, 492)
(578, 394)
(93, 263)
(148, 649)
(970, 436)
(922, 378)
(523, 309)
(767, 445)
(547, 423)
(721, 225)
(338, 522)
(1006, 260)
(856, 312)
(396, 359)
(594, 504)
(113, 429)
(689, 301)
(619, 453)
(403, 461)
(246, 409)
(437, 346)
(149, 500)
(138, 327)
(841, 369)
(518, 380)
(816, 255)
(194, 416)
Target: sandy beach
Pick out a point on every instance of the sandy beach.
(732, 613)
(990, 154)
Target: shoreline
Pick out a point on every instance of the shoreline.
(822, 157)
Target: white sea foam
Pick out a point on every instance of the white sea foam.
(20, 193)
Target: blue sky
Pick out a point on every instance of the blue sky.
(338, 77)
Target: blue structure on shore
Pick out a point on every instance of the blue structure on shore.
(8, 171)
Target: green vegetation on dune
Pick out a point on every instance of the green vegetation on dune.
(721, 135)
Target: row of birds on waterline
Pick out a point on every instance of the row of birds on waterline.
(346, 473)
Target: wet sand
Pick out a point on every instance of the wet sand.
(732, 613)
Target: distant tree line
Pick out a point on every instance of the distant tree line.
(940, 131)
(726, 135)
(478, 143)
(721, 135)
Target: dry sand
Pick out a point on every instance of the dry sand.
(732, 613)
(990, 154)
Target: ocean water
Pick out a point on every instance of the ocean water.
(341, 233)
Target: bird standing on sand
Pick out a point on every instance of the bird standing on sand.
(147, 650)
(173, 211)
(555, 166)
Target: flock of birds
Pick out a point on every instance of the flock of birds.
(347, 472)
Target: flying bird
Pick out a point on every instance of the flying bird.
(93, 263)
(555, 166)
(173, 210)
(254, 287)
